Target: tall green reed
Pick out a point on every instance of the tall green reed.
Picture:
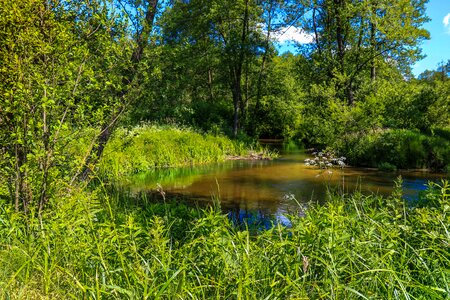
(97, 245)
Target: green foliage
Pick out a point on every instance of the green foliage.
(356, 40)
(322, 117)
(385, 166)
(442, 132)
(93, 246)
(400, 148)
(278, 114)
(400, 123)
(148, 147)
(41, 66)
(416, 106)
(50, 55)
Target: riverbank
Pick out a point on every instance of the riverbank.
(148, 147)
(398, 149)
(252, 155)
(91, 245)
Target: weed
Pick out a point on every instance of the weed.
(96, 245)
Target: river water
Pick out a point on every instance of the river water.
(272, 188)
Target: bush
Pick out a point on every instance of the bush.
(401, 148)
(385, 166)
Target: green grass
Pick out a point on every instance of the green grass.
(149, 147)
(93, 246)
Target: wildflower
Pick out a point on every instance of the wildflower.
(289, 196)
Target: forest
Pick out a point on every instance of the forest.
(94, 91)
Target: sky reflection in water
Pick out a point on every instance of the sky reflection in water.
(261, 191)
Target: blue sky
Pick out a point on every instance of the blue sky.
(437, 49)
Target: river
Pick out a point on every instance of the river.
(272, 188)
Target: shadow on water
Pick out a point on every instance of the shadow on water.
(261, 192)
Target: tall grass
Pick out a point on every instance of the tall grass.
(150, 147)
(94, 246)
(398, 148)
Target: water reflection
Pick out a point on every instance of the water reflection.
(256, 190)
(256, 219)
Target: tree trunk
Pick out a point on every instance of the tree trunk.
(372, 42)
(18, 179)
(350, 96)
(263, 61)
(96, 153)
(316, 35)
(236, 116)
(340, 34)
(210, 85)
(108, 128)
(102, 139)
(144, 34)
(237, 72)
(237, 97)
(45, 165)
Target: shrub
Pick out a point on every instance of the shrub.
(385, 166)
(398, 147)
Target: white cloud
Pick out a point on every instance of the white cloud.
(446, 21)
(293, 34)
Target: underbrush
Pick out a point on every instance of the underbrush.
(90, 246)
(398, 148)
(149, 147)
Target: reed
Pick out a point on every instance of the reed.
(96, 245)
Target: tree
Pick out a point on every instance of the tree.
(227, 31)
(441, 73)
(353, 37)
(62, 70)
(43, 65)
(141, 15)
